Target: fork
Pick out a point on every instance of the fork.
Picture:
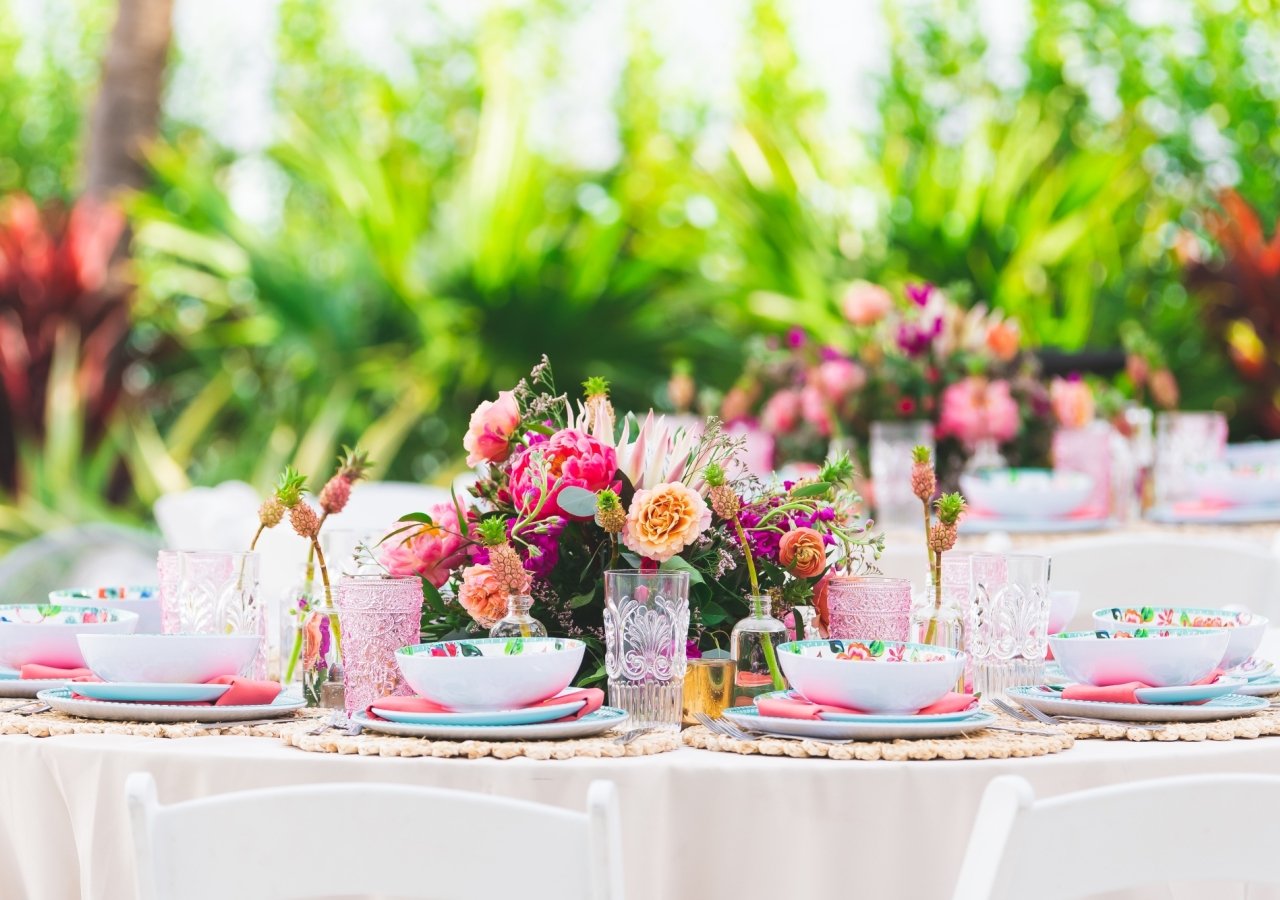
(335, 720)
(1029, 713)
(628, 737)
(730, 730)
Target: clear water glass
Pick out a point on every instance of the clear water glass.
(1186, 441)
(891, 445)
(214, 592)
(646, 627)
(1008, 620)
(869, 607)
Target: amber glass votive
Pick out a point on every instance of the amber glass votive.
(708, 688)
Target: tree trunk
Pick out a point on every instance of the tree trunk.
(127, 110)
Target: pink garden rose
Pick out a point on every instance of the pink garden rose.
(488, 437)
(975, 409)
(865, 303)
(781, 412)
(1072, 402)
(569, 458)
(838, 378)
(430, 552)
(816, 410)
(483, 595)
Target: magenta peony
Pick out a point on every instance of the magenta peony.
(488, 437)
(430, 552)
(569, 457)
(865, 303)
(975, 409)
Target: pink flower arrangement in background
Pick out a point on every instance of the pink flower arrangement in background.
(1072, 402)
(492, 426)
(865, 303)
(568, 457)
(976, 409)
(430, 552)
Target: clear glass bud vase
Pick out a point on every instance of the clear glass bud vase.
(753, 645)
(517, 622)
(938, 624)
(322, 656)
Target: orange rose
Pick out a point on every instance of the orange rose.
(802, 552)
(664, 520)
(1002, 341)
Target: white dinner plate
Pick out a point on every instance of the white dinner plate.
(877, 717)
(603, 719)
(749, 718)
(1228, 706)
(1267, 686)
(60, 700)
(1065, 525)
(13, 687)
(150, 692)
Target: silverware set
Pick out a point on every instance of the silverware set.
(29, 708)
(628, 737)
(1027, 713)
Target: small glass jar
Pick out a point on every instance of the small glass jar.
(517, 622)
(753, 645)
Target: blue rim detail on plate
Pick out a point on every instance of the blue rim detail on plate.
(531, 716)
(1190, 693)
(142, 692)
(749, 717)
(602, 720)
(877, 717)
(1046, 699)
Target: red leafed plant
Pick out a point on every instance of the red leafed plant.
(1241, 292)
(64, 320)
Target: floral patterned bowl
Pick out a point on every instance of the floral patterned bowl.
(491, 674)
(46, 633)
(1246, 629)
(145, 601)
(1157, 657)
(871, 676)
(1026, 493)
(168, 658)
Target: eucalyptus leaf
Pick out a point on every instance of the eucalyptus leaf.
(582, 600)
(713, 613)
(632, 560)
(679, 564)
(577, 501)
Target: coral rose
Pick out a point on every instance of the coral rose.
(1002, 340)
(431, 552)
(569, 457)
(663, 521)
(1072, 402)
(865, 303)
(488, 437)
(483, 595)
(802, 553)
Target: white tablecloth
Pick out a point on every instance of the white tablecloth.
(695, 824)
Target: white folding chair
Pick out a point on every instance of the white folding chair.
(1165, 570)
(361, 839)
(1147, 832)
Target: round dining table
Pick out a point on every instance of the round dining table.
(696, 824)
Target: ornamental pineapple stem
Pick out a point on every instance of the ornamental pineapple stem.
(932, 631)
(257, 534)
(746, 551)
(928, 548)
(770, 657)
(311, 552)
(613, 551)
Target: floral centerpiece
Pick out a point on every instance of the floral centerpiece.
(579, 490)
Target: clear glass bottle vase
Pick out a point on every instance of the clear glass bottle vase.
(934, 621)
(517, 622)
(321, 662)
(753, 645)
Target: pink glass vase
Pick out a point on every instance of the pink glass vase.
(379, 615)
(1087, 450)
(869, 608)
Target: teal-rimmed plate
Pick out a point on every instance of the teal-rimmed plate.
(598, 722)
(749, 718)
(150, 692)
(1266, 686)
(1051, 701)
(875, 717)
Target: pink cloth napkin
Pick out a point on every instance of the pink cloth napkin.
(1206, 507)
(593, 696)
(797, 708)
(37, 672)
(244, 692)
(1122, 693)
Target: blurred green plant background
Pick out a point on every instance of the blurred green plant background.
(415, 225)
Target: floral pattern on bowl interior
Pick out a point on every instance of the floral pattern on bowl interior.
(107, 593)
(866, 651)
(1157, 632)
(1182, 618)
(52, 614)
(492, 647)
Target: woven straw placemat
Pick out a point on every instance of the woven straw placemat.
(368, 744)
(53, 724)
(983, 745)
(1262, 724)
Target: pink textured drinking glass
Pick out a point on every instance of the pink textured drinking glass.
(869, 607)
(169, 571)
(1087, 450)
(378, 615)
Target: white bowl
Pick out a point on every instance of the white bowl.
(484, 675)
(871, 676)
(168, 658)
(1062, 606)
(1240, 486)
(46, 633)
(1246, 630)
(1026, 493)
(143, 600)
(1159, 657)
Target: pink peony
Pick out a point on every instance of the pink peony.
(781, 412)
(816, 410)
(483, 595)
(975, 409)
(488, 437)
(865, 303)
(838, 378)
(569, 457)
(1072, 402)
(431, 552)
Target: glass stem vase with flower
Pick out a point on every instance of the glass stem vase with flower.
(321, 634)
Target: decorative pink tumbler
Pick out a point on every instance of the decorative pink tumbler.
(379, 615)
(869, 607)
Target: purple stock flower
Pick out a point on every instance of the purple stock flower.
(919, 294)
(796, 338)
(827, 353)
